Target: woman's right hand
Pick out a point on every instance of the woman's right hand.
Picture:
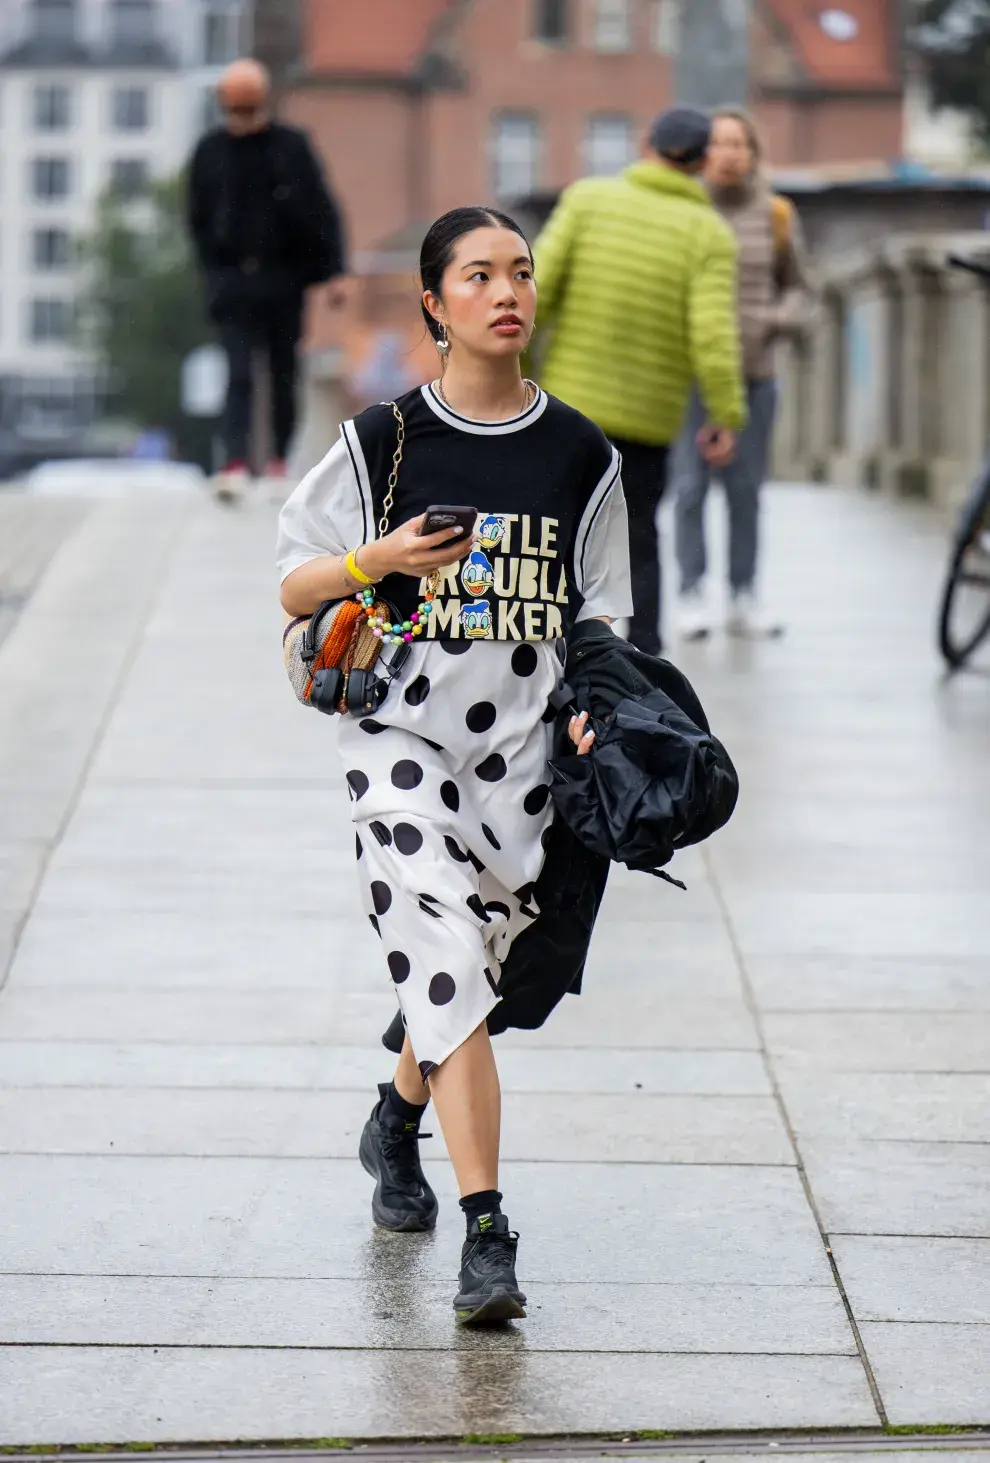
(404, 551)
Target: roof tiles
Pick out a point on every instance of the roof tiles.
(373, 36)
(865, 61)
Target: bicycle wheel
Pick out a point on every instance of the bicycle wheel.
(964, 620)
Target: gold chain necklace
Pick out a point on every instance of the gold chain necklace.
(531, 390)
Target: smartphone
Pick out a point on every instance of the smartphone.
(441, 516)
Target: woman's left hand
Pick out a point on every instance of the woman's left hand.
(582, 739)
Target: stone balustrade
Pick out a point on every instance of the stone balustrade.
(889, 390)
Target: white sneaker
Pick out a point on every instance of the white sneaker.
(694, 618)
(748, 621)
(230, 486)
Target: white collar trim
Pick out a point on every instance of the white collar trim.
(484, 429)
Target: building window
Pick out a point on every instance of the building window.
(52, 107)
(50, 178)
(551, 21)
(223, 33)
(130, 109)
(128, 177)
(609, 145)
(665, 26)
(613, 25)
(132, 22)
(54, 20)
(51, 249)
(51, 320)
(49, 409)
(516, 149)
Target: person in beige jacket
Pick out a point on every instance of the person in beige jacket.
(774, 299)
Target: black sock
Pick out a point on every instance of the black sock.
(395, 1105)
(483, 1204)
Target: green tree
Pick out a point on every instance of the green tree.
(141, 310)
(953, 36)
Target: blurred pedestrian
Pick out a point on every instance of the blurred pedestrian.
(774, 300)
(265, 228)
(637, 278)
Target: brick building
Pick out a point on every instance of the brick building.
(423, 104)
(420, 105)
(828, 82)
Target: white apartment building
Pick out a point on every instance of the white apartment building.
(93, 94)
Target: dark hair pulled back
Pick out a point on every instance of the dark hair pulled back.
(438, 246)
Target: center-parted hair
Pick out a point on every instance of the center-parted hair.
(440, 242)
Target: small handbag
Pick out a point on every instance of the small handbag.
(332, 656)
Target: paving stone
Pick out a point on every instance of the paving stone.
(900, 1188)
(868, 983)
(81, 1395)
(387, 1312)
(179, 886)
(785, 862)
(109, 1013)
(680, 960)
(32, 530)
(9, 926)
(308, 1217)
(152, 948)
(643, 898)
(930, 1375)
(222, 826)
(637, 1128)
(149, 1064)
(218, 948)
(912, 1106)
(645, 1017)
(882, 1041)
(336, 1017)
(20, 868)
(899, 1278)
(942, 922)
(923, 1453)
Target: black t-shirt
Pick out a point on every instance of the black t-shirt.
(552, 538)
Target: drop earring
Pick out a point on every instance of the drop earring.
(443, 344)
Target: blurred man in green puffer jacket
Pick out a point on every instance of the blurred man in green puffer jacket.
(637, 292)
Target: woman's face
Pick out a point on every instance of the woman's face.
(730, 157)
(488, 297)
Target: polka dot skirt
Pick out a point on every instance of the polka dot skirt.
(449, 793)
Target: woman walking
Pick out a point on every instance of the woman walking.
(774, 299)
(449, 779)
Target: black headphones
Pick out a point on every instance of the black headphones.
(360, 691)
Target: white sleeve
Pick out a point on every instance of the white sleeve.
(326, 514)
(602, 560)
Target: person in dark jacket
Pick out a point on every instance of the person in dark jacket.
(265, 228)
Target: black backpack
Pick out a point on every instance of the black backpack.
(657, 780)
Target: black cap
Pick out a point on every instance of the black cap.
(681, 134)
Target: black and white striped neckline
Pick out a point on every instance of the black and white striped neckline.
(452, 418)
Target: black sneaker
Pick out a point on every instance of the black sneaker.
(489, 1291)
(389, 1151)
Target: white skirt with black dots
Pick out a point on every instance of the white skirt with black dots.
(450, 799)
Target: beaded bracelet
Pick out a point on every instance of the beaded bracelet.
(404, 630)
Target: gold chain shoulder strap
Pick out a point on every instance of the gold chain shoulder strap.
(393, 477)
(433, 582)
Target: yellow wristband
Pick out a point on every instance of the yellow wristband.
(355, 571)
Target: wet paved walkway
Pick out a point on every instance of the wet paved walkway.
(751, 1164)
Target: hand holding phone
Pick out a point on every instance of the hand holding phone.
(435, 539)
(441, 516)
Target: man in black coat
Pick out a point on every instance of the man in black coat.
(266, 228)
